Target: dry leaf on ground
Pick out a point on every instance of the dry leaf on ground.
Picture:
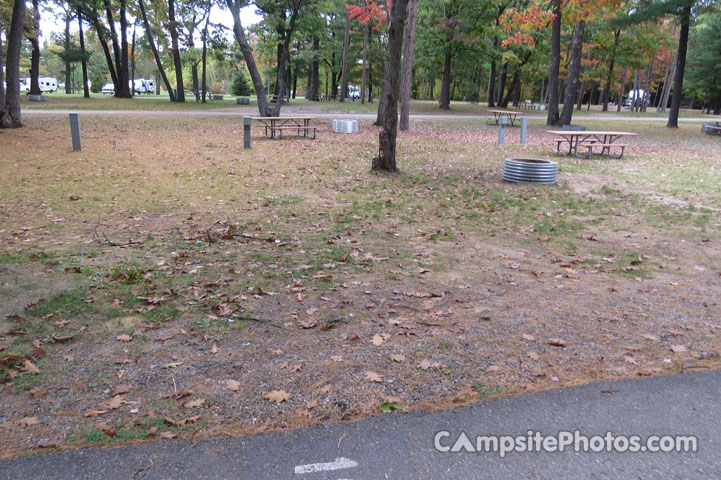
(28, 421)
(373, 376)
(232, 385)
(277, 396)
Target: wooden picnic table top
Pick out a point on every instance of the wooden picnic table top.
(507, 112)
(291, 117)
(589, 132)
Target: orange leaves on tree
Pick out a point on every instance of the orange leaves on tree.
(369, 12)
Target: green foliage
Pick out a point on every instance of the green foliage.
(704, 62)
(241, 87)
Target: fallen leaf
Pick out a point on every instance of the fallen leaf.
(528, 337)
(296, 368)
(232, 385)
(678, 349)
(649, 336)
(277, 396)
(168, 435)
(373, 377)
(28, 421)
(427, 364)
(311, 405)
(124, 338)
(172, 364)
(222, 309)
(398, 358)
(37, 393)
(557, 342)
(106, 429)
(165, 337)
(493, 368)
(532, 355)
(630, 359)
(336, 358)
(306, 324)
(324, 390)
(214, 348)
(120, 389)
(114, 402)
(94, 413)
(48, 443)
(378, 340)
(30, 367)
(194, 403)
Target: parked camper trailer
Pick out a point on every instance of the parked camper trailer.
(48, 84)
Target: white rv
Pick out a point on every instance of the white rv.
(48, 84)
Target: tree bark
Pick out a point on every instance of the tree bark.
(685, 20)
(68, 82)
(2, 75)
(156, 55)
(234, 6)
(10, 110)
(668, 81)
(611, 64)
(552, 117)
(175, 49)
(86, 89)
(574, 71)
(408, 66)
(364, 75)
(344, 67)
(386, 159)
(204, 80)
(35, 55)
(445, 100)
(491, 93)
(313, 77)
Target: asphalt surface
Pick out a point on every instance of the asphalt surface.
(401, 446)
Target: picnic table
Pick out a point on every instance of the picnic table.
(587, 140)
(510, 115)
(713, 128)
(275, 126)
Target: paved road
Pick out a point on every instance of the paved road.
(291, 111)
(401, 446)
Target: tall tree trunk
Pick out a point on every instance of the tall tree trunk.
(685, 19)
(582, 92)
(35, 55)
(10, 110)
(314, 79)
(282, 74)
(611, 64)
(491, 93)
(125, 91)
(552, 117)
(408, 66)
(621, 89)
(68, 82)
(333, 77)
(445, 100)
(386, 159)
(574, 71)
(501, 86)
(364, 75)
(118, 80)
(2, 75)
(205, 55)
(86, 88)
(132, 62)
(344, 67)
(175, 49)
(668, 81)
(158, 63)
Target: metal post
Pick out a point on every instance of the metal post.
(502, 130)
(75, 131)
(524, 130)
(246, 132)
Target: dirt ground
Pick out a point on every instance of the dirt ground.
(165, 281)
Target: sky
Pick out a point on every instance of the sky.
(50, 23)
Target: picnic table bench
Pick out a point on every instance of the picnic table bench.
(275, 126)
(583, 143)
(510, 115)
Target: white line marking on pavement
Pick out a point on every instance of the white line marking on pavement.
(339, 463)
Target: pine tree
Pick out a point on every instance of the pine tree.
(240, 87)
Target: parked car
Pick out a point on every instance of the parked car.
(108, 88)
(150, 86)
